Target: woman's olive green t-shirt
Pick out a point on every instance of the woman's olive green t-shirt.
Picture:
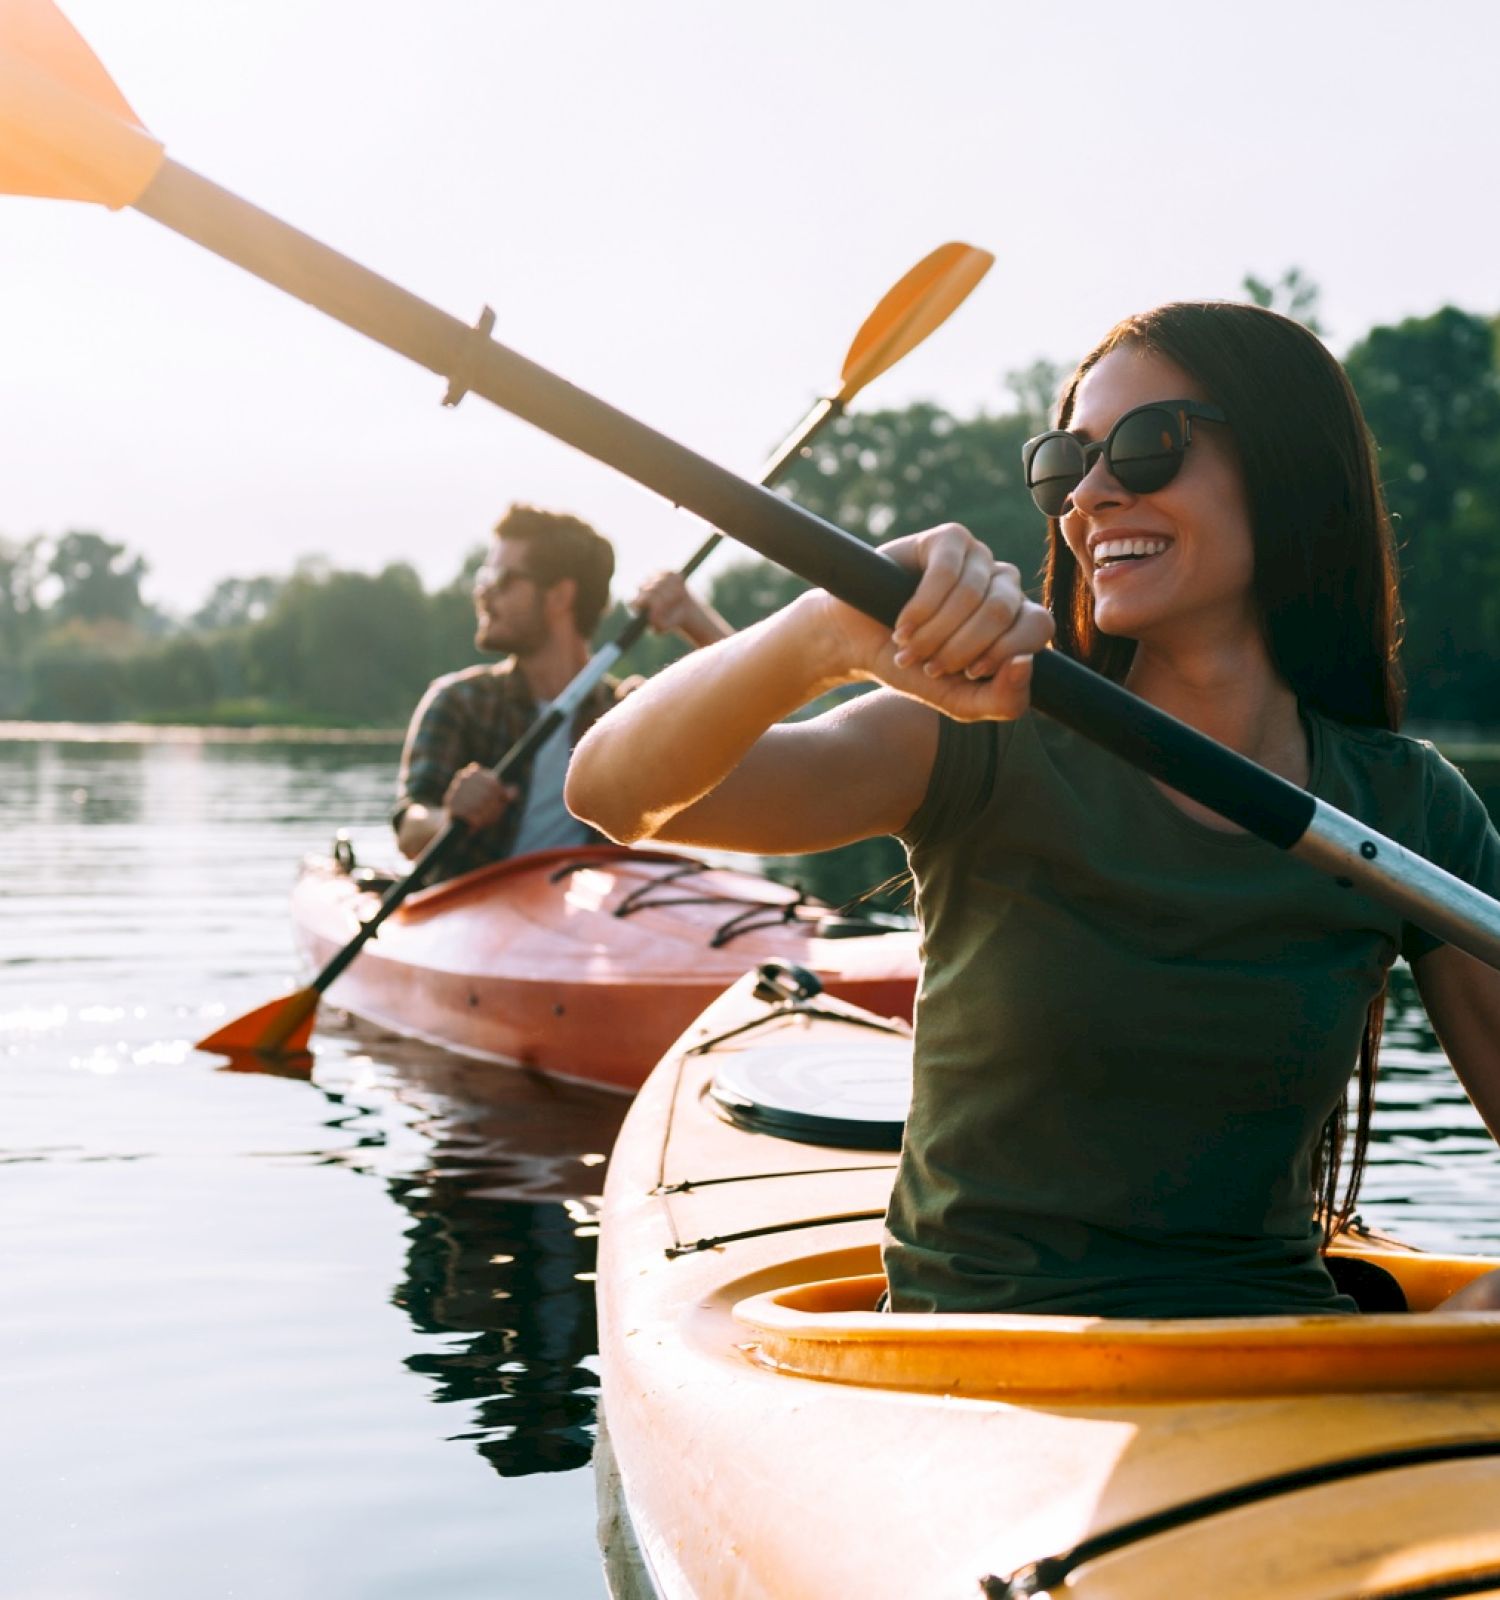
(1132, 1027)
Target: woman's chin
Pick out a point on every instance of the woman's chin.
(1118, 622)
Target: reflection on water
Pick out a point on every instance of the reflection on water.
(512, 1283)
(317, 1322)
(501, 1187)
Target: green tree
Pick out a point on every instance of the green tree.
(747, 590)
(234, 602)
(21, 619)
(344, 646)
(21, 575)
(98, 580)
(1431, 394)
(1293, 294)
(1037, 389)
(78, 672)
(174, 678)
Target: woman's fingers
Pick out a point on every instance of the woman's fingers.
(996, 685)
(1031, 630)
(964, 640)
(984, 637)
(964, 606)
(956, 571)
(1002, 697)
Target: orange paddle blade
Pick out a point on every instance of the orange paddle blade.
(66, 131)
(281, 1028)
(913, 308)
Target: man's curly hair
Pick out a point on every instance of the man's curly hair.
(559, 546)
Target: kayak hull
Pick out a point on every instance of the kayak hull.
(773, 1435)
(583, 964)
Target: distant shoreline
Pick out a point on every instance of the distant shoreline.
(188, 733)
(1457, 743)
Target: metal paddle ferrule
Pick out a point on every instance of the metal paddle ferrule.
(1292, 819)
(1433, 898)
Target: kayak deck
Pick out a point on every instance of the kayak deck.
(583, 963)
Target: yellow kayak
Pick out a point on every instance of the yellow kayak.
(769, 1433)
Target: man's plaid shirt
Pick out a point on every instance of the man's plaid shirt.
(477, 715)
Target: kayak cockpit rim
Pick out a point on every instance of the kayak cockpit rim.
(829, 1329)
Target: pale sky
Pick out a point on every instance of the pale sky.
(689, 209)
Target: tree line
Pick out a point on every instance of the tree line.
(327, 646)
(319, 646)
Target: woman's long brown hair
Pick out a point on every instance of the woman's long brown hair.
(1325, 567)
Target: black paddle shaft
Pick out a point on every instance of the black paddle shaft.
(826, 556)
(782, 532)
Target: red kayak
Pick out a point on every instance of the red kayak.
(584, 963)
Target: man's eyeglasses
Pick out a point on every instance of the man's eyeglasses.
(501, 579)
(1143, 452)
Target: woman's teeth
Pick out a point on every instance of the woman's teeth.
(1108, 550)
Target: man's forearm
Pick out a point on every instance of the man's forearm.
(703, 625)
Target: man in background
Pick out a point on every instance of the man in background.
(537, 601)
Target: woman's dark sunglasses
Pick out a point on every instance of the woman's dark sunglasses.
(1143, 452)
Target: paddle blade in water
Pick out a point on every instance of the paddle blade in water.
(913, 308)
(298, 1065)
(281, 1028)
(66, 131)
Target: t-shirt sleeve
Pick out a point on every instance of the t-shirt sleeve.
(1460, 837)
(961, 781)
(433, 751)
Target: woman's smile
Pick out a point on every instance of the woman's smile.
(1111, 554)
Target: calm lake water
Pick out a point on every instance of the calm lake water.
(271, 1337)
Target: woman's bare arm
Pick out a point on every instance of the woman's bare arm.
(695, 755)
(857, 771)
(1462, 997)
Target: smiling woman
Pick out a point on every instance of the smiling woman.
(1160, 1145)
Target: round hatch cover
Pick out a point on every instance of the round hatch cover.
(853, 1095)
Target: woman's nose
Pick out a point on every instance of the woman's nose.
(1098, 489)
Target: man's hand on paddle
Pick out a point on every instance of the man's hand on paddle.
(477, 797)
(671, 607)
(964, 641)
